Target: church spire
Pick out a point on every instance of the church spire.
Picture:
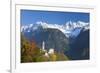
(43, 45)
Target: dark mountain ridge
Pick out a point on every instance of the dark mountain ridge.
(53, 38)
(79, 49)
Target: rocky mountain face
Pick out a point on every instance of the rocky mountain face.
(80, 46)
(53, 38)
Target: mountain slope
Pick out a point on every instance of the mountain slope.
(80, 48)
(53, 38)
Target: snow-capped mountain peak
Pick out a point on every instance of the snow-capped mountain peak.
(69, 28)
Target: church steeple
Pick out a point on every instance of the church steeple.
(43, 45)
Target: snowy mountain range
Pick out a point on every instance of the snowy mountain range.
(70, 28)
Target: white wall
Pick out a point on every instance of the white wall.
(5, 37)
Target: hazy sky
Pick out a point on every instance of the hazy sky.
(52, 17)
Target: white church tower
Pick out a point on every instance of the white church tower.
(43, 46)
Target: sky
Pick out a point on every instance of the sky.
(51, 17)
